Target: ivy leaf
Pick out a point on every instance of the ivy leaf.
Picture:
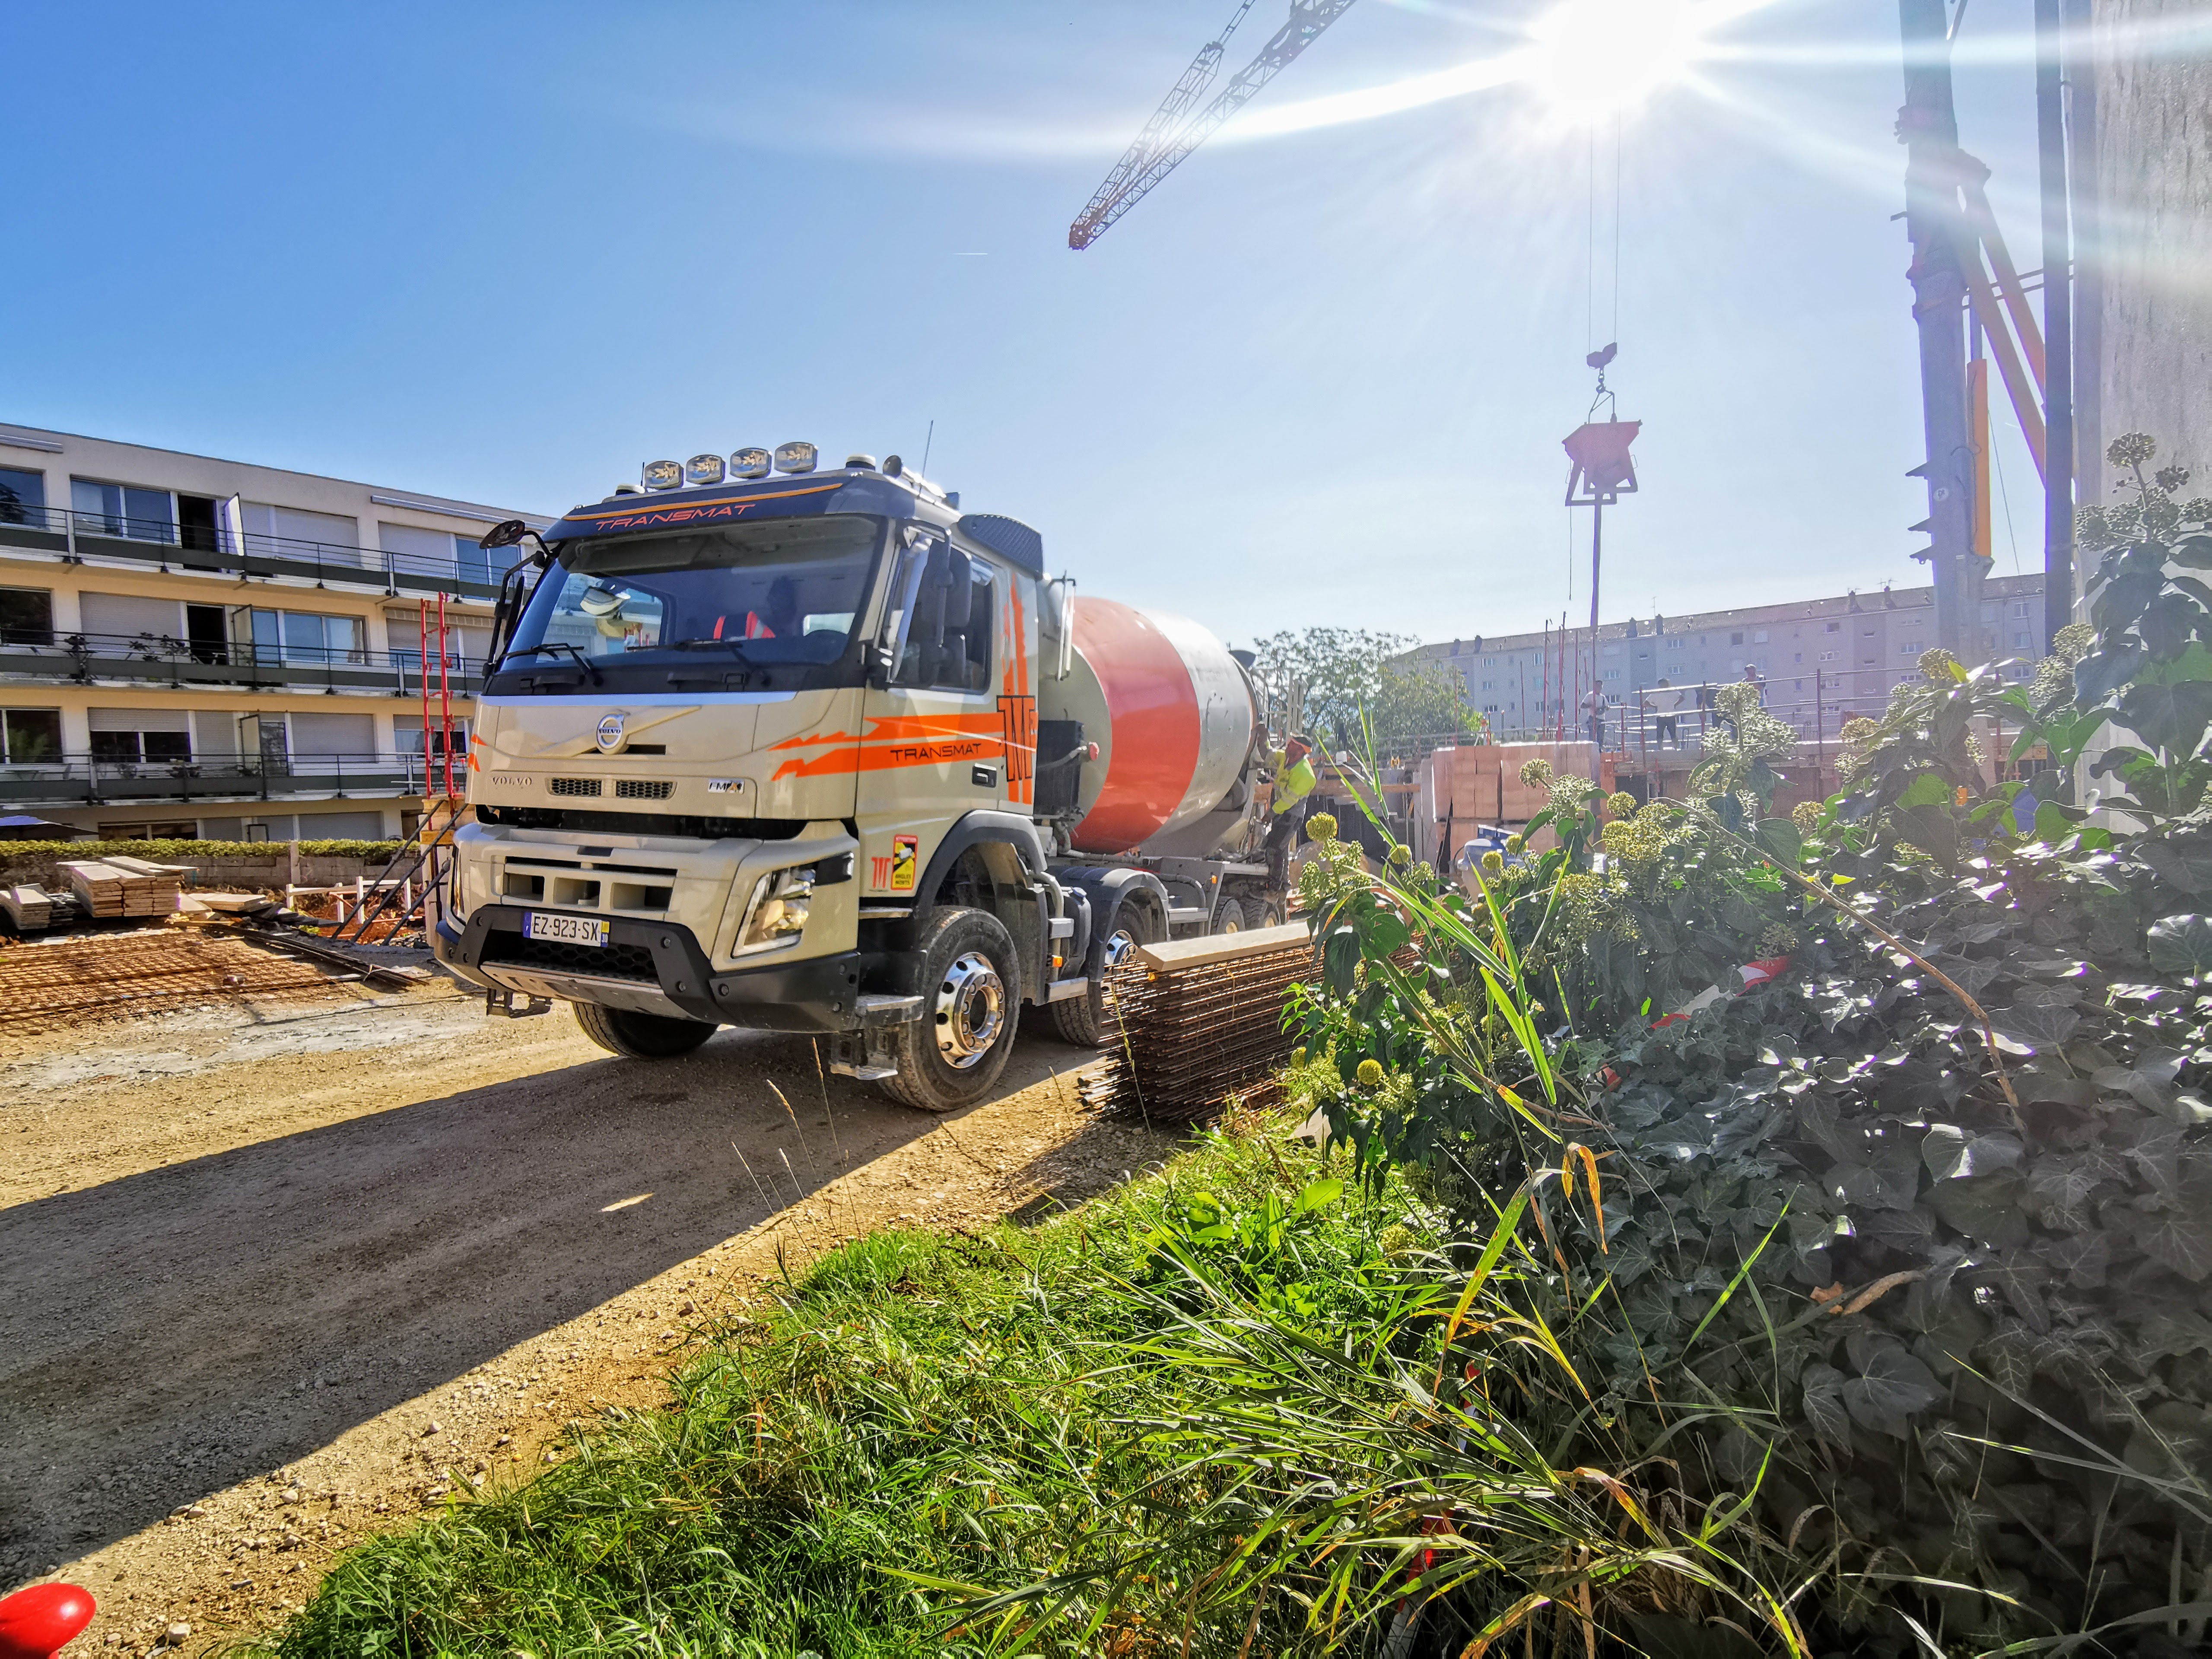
(2177, 1239)
(2172, 716)
(2149, 1082)
(1780, 837)
(2181, 944)
(2041, 1027)
(1984, 1207)
(2084, 1258)
(1952, 1153)
(1891, 1385)
(1824, 1404)
(1928, 789)
(2100, 672)
(1386, 935)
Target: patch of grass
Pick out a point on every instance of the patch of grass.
(1231, 1407)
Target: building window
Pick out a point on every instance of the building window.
(23, 496)
(1673, 645)
(2020, 607)
(301, 637)
(1909, 648)
(1829, 656)
(1798, 657)
(1759, 638)
(438, 551)
(27, 616)
(1613, 673)
(1735, 639)
(1833, 627)
(124, 510)
(131, 736)
(30, 737)
(2023, 640)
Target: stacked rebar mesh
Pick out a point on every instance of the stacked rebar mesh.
(1186, 1037)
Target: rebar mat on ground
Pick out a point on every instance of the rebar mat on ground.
(131, 973)
(1188, 1038)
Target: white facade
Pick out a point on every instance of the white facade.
(197, 646)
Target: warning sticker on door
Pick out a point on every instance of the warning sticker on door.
(904, 851)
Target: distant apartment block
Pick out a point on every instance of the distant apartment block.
(1821, 660)
(199, 647)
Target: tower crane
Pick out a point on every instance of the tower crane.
(1173, 132)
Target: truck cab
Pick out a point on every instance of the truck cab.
(764, 751)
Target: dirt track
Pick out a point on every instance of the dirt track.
(273, 1277)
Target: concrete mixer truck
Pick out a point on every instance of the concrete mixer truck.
(767, 745)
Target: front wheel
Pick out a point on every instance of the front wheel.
(971, 993)
(641, 1036)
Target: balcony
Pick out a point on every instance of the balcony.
(155, 660)
(81, 780)
(159, 544)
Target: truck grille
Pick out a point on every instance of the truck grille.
(643, 789)
(631, 962)
(576, 821)
(572, 786)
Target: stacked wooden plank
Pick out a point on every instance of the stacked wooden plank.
(28, 906)
(118, 886)
(1200, 1020)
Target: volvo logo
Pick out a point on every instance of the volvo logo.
(611, 733)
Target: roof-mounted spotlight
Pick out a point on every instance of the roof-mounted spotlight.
(796, 457)
(750, 464)
(865, 463)
(663, 475)
(893, 466)
(704, 470)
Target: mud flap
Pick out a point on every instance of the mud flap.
(870, 1053)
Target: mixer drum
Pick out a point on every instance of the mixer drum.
(1170, 711)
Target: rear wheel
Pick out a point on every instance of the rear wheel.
(1233, 916)
(1083, 1020)
(971, 992)
(641, 1036)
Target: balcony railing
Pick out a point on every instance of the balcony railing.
(217, 552)
(160, 659)
(84, 780)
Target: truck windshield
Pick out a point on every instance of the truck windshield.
(783, 592)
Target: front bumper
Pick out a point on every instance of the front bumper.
(651, 968)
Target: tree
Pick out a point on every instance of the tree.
(1319, 681)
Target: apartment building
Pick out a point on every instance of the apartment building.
(205, 648)
(1821, 660)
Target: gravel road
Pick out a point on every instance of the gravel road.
(270, 1279)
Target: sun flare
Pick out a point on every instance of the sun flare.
(1589, 60)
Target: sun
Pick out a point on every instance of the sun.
(1589, 60)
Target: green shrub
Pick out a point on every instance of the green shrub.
(14, 853)
(1914, 1241)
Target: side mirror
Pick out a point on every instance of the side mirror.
(506, 533)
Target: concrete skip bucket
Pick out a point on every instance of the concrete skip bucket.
(1199, 1020)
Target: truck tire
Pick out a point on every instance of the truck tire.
(971, 996)
(641, 1036)
(1083, 1020)
(1233, 916)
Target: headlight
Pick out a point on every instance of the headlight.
(776, 913)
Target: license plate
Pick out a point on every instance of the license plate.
(565, 930)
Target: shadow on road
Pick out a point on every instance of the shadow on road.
(167, 1335)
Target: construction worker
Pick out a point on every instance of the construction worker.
(1666, 703)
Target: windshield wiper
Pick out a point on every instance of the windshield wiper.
(736, 647)
(582, 661)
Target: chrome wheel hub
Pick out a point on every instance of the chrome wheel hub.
(971, 1010)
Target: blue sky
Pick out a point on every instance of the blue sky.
(507, 252)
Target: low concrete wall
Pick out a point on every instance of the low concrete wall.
(228, 875)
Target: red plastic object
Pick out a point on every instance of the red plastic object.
(38, 1622)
